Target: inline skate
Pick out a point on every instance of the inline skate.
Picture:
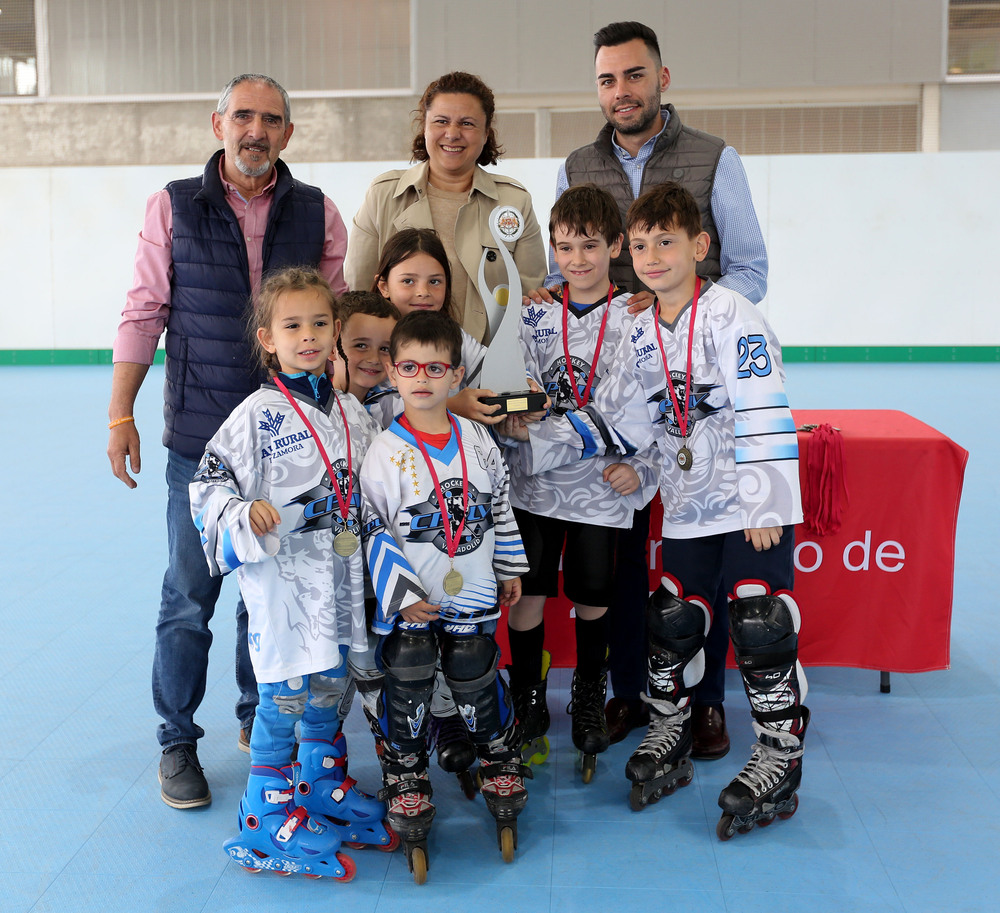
(278, 835)
(532, 714)
(767, 788)
(407, 795)
(590, 725)
(327, 791)
(662, 762)
(502, 775)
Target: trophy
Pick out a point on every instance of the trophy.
(503, 365)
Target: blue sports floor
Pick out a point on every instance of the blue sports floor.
(900, 806)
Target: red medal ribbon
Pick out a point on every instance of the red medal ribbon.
(344, 503)
(451, 541)
(580, 403)
(682, 419)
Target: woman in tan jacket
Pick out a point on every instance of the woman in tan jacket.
(449, 191)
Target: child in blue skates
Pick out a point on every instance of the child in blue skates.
(276, 498)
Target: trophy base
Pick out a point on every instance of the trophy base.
(516, 403)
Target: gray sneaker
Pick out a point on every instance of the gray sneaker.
(182, 783)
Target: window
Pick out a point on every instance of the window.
(18, 70)
(973, 37)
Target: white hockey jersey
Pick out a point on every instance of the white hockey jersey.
(576, 491)
(396, 482)
(305, 603)
(741, 434)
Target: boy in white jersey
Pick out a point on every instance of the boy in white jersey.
(573, 512)
(440, 487)
(699, 378)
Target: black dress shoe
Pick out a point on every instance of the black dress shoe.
(625, 714)
(182, 783)
(708, 731)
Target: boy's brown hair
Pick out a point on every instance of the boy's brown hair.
(586, 209)
(667, 205)
(432, 328)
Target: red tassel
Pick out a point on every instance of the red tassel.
(823, 503)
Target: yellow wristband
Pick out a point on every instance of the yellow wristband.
(121, 421)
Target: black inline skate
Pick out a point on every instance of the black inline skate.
(449, 737)
(532, 714)
(767, 788)
(407, 795)
(502, 775)
(662, 762)
(590, 725)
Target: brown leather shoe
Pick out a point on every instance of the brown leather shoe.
(625, 714)
(708, 731)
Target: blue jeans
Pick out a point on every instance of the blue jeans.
(187, 603)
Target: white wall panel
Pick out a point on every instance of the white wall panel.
(881, 250)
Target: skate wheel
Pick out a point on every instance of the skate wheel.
(588, 765)
(252, 871)
(418, 864)
(311, 875)
(792, 808)
(507, 844)
(350, 868)
(745, 829)
(636, 801)
(393, 843)
(282, 873)
(765, 822)
(468, 784)
(724, 829)
(536, 751)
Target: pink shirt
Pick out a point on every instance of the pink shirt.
(147, 305)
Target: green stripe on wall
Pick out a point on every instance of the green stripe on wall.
(61, 357)
(893, 354)
(797, 354)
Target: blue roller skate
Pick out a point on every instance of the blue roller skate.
(325, 790)
(278, 835)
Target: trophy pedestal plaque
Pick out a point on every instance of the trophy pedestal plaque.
(503, 365)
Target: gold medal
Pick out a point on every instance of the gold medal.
(684, 458)
(453, 582)
(345, 543)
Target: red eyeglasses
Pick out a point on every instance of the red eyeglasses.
(433, 369)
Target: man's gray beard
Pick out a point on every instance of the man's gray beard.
(252, 172)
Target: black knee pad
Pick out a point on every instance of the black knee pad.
(469, 663)
(764, 629)
(764, 624)
(409, 658)
(675, 624)
(676, 629)
(466, 657)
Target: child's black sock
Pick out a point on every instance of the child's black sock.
(526, 656)
(591, 646)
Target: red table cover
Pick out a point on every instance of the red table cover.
(877, 594)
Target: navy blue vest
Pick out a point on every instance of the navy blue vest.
(211, 366)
